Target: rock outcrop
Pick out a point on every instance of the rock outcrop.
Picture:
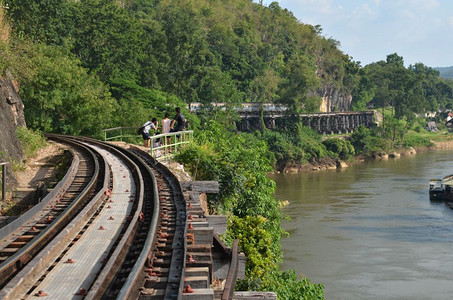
(11, 116)
(334, 100)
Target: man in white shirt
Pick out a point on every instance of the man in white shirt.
(146, 128)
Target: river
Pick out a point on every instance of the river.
(370, 231)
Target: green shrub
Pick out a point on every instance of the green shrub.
(239, 162)
(31, 140)
(365, 141)
(286, 284)
(281, 145)
(419, 124)
(357, 138)
(339, 147)
(310, 142)
(256, 242)
(17, 166)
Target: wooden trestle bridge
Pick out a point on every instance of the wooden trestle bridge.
(324, 123)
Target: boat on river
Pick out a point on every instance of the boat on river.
(440, 189)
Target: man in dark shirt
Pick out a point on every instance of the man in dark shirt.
(179, 119)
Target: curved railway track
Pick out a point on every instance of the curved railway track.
(115, 227)
(21, 240)
(149, 239)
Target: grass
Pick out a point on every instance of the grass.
(31, 141)
(438, 136)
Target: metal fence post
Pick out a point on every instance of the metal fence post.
(4, 180)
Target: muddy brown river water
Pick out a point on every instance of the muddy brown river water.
(370, 231)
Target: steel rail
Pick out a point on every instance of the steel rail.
(232, 273)
(24, 218)
(111, 267)
(175, 279)
(117, 255)
(142, 166)
(22, 282)
(104, 279)
(177, 273)
(132, 283)
(13, 264)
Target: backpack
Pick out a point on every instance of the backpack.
(140, 130)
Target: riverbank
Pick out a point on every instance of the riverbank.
(332, 164)
(444, 145)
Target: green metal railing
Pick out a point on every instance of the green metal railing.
(122, 134)
(162, 146)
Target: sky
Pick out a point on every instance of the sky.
(369, 30)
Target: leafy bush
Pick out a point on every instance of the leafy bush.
(256, 243)
(17, 166)
(31, 140)
(286, 284)
(282, 147)
(240, 163)
(366, 142)
(310, 142)
(339, 147)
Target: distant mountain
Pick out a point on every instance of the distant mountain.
(445, 72)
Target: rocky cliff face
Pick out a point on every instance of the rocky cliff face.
(11, 116)
(334, 100)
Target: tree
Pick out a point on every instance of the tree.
(107, 40)
(45, 21)
(299, 80)
(63, 97)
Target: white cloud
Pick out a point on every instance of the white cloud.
(428, 4)
(364, 14)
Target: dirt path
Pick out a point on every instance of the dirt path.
(40, 169)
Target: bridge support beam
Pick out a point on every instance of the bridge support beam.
(270, 123)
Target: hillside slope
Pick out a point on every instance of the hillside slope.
(445, 72)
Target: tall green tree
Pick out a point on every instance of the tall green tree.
(107, 40)
(300, 79)
(45, 21)
(62, 97)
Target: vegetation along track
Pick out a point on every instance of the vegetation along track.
(149, 241)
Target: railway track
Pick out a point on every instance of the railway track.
(115, 227)
(22, 240)
(50, 252)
